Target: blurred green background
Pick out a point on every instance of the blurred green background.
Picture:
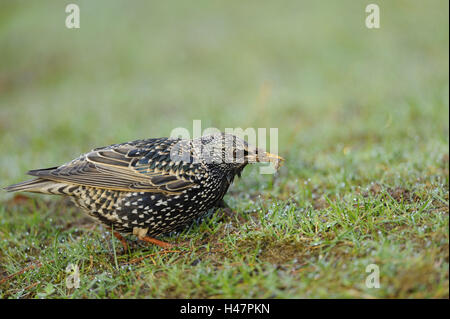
(140, 69)
(362, 115)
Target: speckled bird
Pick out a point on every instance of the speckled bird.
(152, 186)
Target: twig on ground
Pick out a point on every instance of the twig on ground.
(5, 279)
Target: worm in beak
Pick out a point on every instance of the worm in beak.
(264, 157)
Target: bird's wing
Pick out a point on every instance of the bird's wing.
(140, 166)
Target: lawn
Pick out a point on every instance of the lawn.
(363, 123)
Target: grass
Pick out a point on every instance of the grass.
(362, 118)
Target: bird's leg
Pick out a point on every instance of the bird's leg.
(156, 242)
(120, 238)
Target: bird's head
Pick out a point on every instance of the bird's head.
(231, 153)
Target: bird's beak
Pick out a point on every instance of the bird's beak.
(265, 157)
(272, 158)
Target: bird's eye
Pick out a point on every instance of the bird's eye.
(245, 152)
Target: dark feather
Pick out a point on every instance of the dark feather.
(121, 167)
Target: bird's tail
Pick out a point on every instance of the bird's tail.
(39, 185)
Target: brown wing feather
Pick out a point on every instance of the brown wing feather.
(114, 168)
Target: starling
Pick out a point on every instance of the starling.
(152, 186)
